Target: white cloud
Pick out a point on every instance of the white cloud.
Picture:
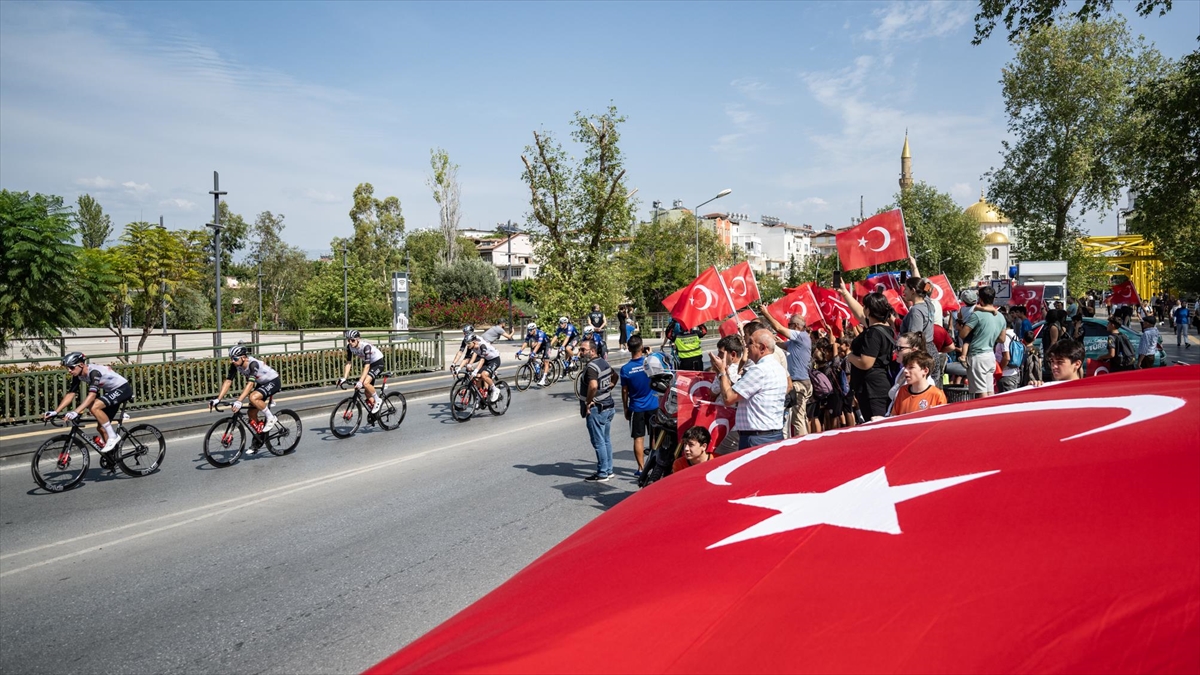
(755, 89)
(321, 197)
(97, 183)
(181, 204)
(908, 21)
(136, 188)
(746, 123)
(808, 205)
(961, 191)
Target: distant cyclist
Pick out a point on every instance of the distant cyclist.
(468, 331)
(539, 347)
(372, 360)
(486, 356)
(567, 336)
(106, 391)
(262, 382)
(597, 338)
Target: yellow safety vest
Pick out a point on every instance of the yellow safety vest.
(688, 346)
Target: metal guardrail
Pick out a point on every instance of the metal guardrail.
(25, 395)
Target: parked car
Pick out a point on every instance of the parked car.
(1095, 340)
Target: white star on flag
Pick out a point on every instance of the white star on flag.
(865, 503)
(862, 242)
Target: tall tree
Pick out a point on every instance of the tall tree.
(95, 227)
(285, 268)
(234, 230)
(1070, 113)
(661, 258)
(378, 233)
(577, 211)
(153, 263)
(444, 183)
(940, 236)
(1029, 15)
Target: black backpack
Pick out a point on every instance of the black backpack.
(1126, 354)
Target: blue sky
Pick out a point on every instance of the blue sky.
(797, 107)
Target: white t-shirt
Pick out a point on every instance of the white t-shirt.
(1004, 346)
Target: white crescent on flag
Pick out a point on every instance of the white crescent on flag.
(709, 297)
(803, 309)
(742, 292)
(887, 238)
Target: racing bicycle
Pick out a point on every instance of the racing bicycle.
(348, 415)
(226, 439)
(470, 394)
(531, 371)
(61, 462)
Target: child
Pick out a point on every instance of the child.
(1066, 360)
(695, 449)
(919, 392)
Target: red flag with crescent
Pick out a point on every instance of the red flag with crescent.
(699, 405)
(943, 293)
(705, 299)
(877, 240)
(743, 287)
(889, 547)
(733, 326)
(1031, 298)
(1125, 294)
(896, 302)
(800, 300)
(833, 309)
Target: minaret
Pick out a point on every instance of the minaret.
(906, 180)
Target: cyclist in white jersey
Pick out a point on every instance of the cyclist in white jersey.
(482, 352)
(262, 382)
(468, 331)
(106, 391)
(372, 369)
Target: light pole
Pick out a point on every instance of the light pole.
(696, 213)
(216, 226)
(940, 263)
(260, 276)
(163, 278)
(345, 291)
(508, 229)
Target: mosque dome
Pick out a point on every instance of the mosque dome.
(995, 238)
(984, 213)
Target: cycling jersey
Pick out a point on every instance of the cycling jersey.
(536, 339)
(366, 351)
(98, 377)
(487, 351)
(255, 370)
(570, 331)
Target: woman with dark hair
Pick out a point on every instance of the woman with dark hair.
(920, 311)
(871, 353)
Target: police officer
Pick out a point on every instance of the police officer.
(687, 344)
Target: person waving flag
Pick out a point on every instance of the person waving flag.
(877, 240)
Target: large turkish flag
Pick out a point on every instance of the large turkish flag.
(1031, 298)
(943, 293)
(799, 300)
(705, 299)
(934, 542)
(742, 285)
(877, 240)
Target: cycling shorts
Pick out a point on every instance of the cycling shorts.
(111, 400)
(376, 371)
(542, 349)
(491, 365)
(572, 343)
(268, 388)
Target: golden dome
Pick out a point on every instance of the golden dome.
(995, 238)
(984, 213)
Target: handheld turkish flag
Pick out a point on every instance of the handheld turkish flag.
(896, 302)
(743, 287)
(943, 293)
(698, 405)
(877, 240)
(705, 299)
(1031, 298)
(1125, 294)
(800, 300)
(923, 543)
(673, 299)
(733, 326)
(833, 309)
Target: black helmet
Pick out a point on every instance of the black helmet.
(468, 329)
(73, 359)
(352, 334)
(238, 351)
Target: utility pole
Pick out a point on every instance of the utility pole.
(345, 291)
(260, 275)
(509, 230)
(216, 226)
(164, 287)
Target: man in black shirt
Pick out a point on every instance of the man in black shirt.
(596, 318)
(598, 407)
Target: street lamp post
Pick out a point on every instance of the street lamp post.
(940, 263)
(345, 291)
(260, 276)
(508, 229)
(163, 278)
(696, 213)
(216, 226)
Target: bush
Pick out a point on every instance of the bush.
(432, 314)
(464, 279)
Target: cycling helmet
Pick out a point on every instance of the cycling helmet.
(563, 319)
(468, 329)
(588, 330)
(352, 334)
(531, 326)
(73, 359)
(238, 351)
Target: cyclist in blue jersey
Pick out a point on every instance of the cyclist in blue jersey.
(539, 347)
(566, 336)
(597, 338)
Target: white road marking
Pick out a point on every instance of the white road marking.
(228, 504)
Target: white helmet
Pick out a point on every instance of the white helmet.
(531, 326)
(563, 319)
(588, 330)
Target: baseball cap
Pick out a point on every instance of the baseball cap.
(969, 297)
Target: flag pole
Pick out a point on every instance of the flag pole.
(728, 295)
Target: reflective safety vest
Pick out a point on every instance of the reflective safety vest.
(687, 345)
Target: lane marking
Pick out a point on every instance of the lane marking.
(256, 498)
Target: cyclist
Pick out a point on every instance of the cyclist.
(569, 335)
(597, 338)
(261, 384)
(539, 347)
(482, 352)
(372, 360)
(468, 331)
(106, 391)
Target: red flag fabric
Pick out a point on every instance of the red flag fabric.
(673, 299)
(910, 545)
(877, 282)
(1125, 294)
(742, 285)
(705, 299)
(877, 240)
(896, 302)
(799, 301)
(833, 309)
(1031, 298)
(698, 406)
(732, 326)
(943, 293)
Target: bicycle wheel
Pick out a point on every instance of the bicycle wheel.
(574, 370)
(60, 463)
(346, 417)
(553, 372)
(142, 450)
(500, 405)
(524, 376)
(393, 410)
(224, 442)
(286, 436)
(462, 402)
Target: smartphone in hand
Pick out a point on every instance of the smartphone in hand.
(837, 279)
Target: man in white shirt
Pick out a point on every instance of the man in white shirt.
(758, 393)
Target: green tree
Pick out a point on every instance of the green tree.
(95, 227)
(37, 265)
(1029, 15)
(1165, 173)
(425, 249)
(661, 259)
(234, 231)
(152, 263)
(444, 183)
(938, 229)
(369, 304)
(578, 209)
(466, 278)
(378, 233)
(285, 268)
(190, 310)
(1071, 117)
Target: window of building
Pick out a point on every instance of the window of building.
(995, 254)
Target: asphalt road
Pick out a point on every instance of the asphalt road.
(326, 560)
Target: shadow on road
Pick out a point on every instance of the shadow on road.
(605, 495)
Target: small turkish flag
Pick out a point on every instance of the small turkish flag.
(877, 282)
(742, 285)
(800, 300)
(733, 326)
(833, 309)
(1031, 298)
(877, 240)
(943, 293)
(1125, 294)
(699, 406)
(896, 302)
(705, 299)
